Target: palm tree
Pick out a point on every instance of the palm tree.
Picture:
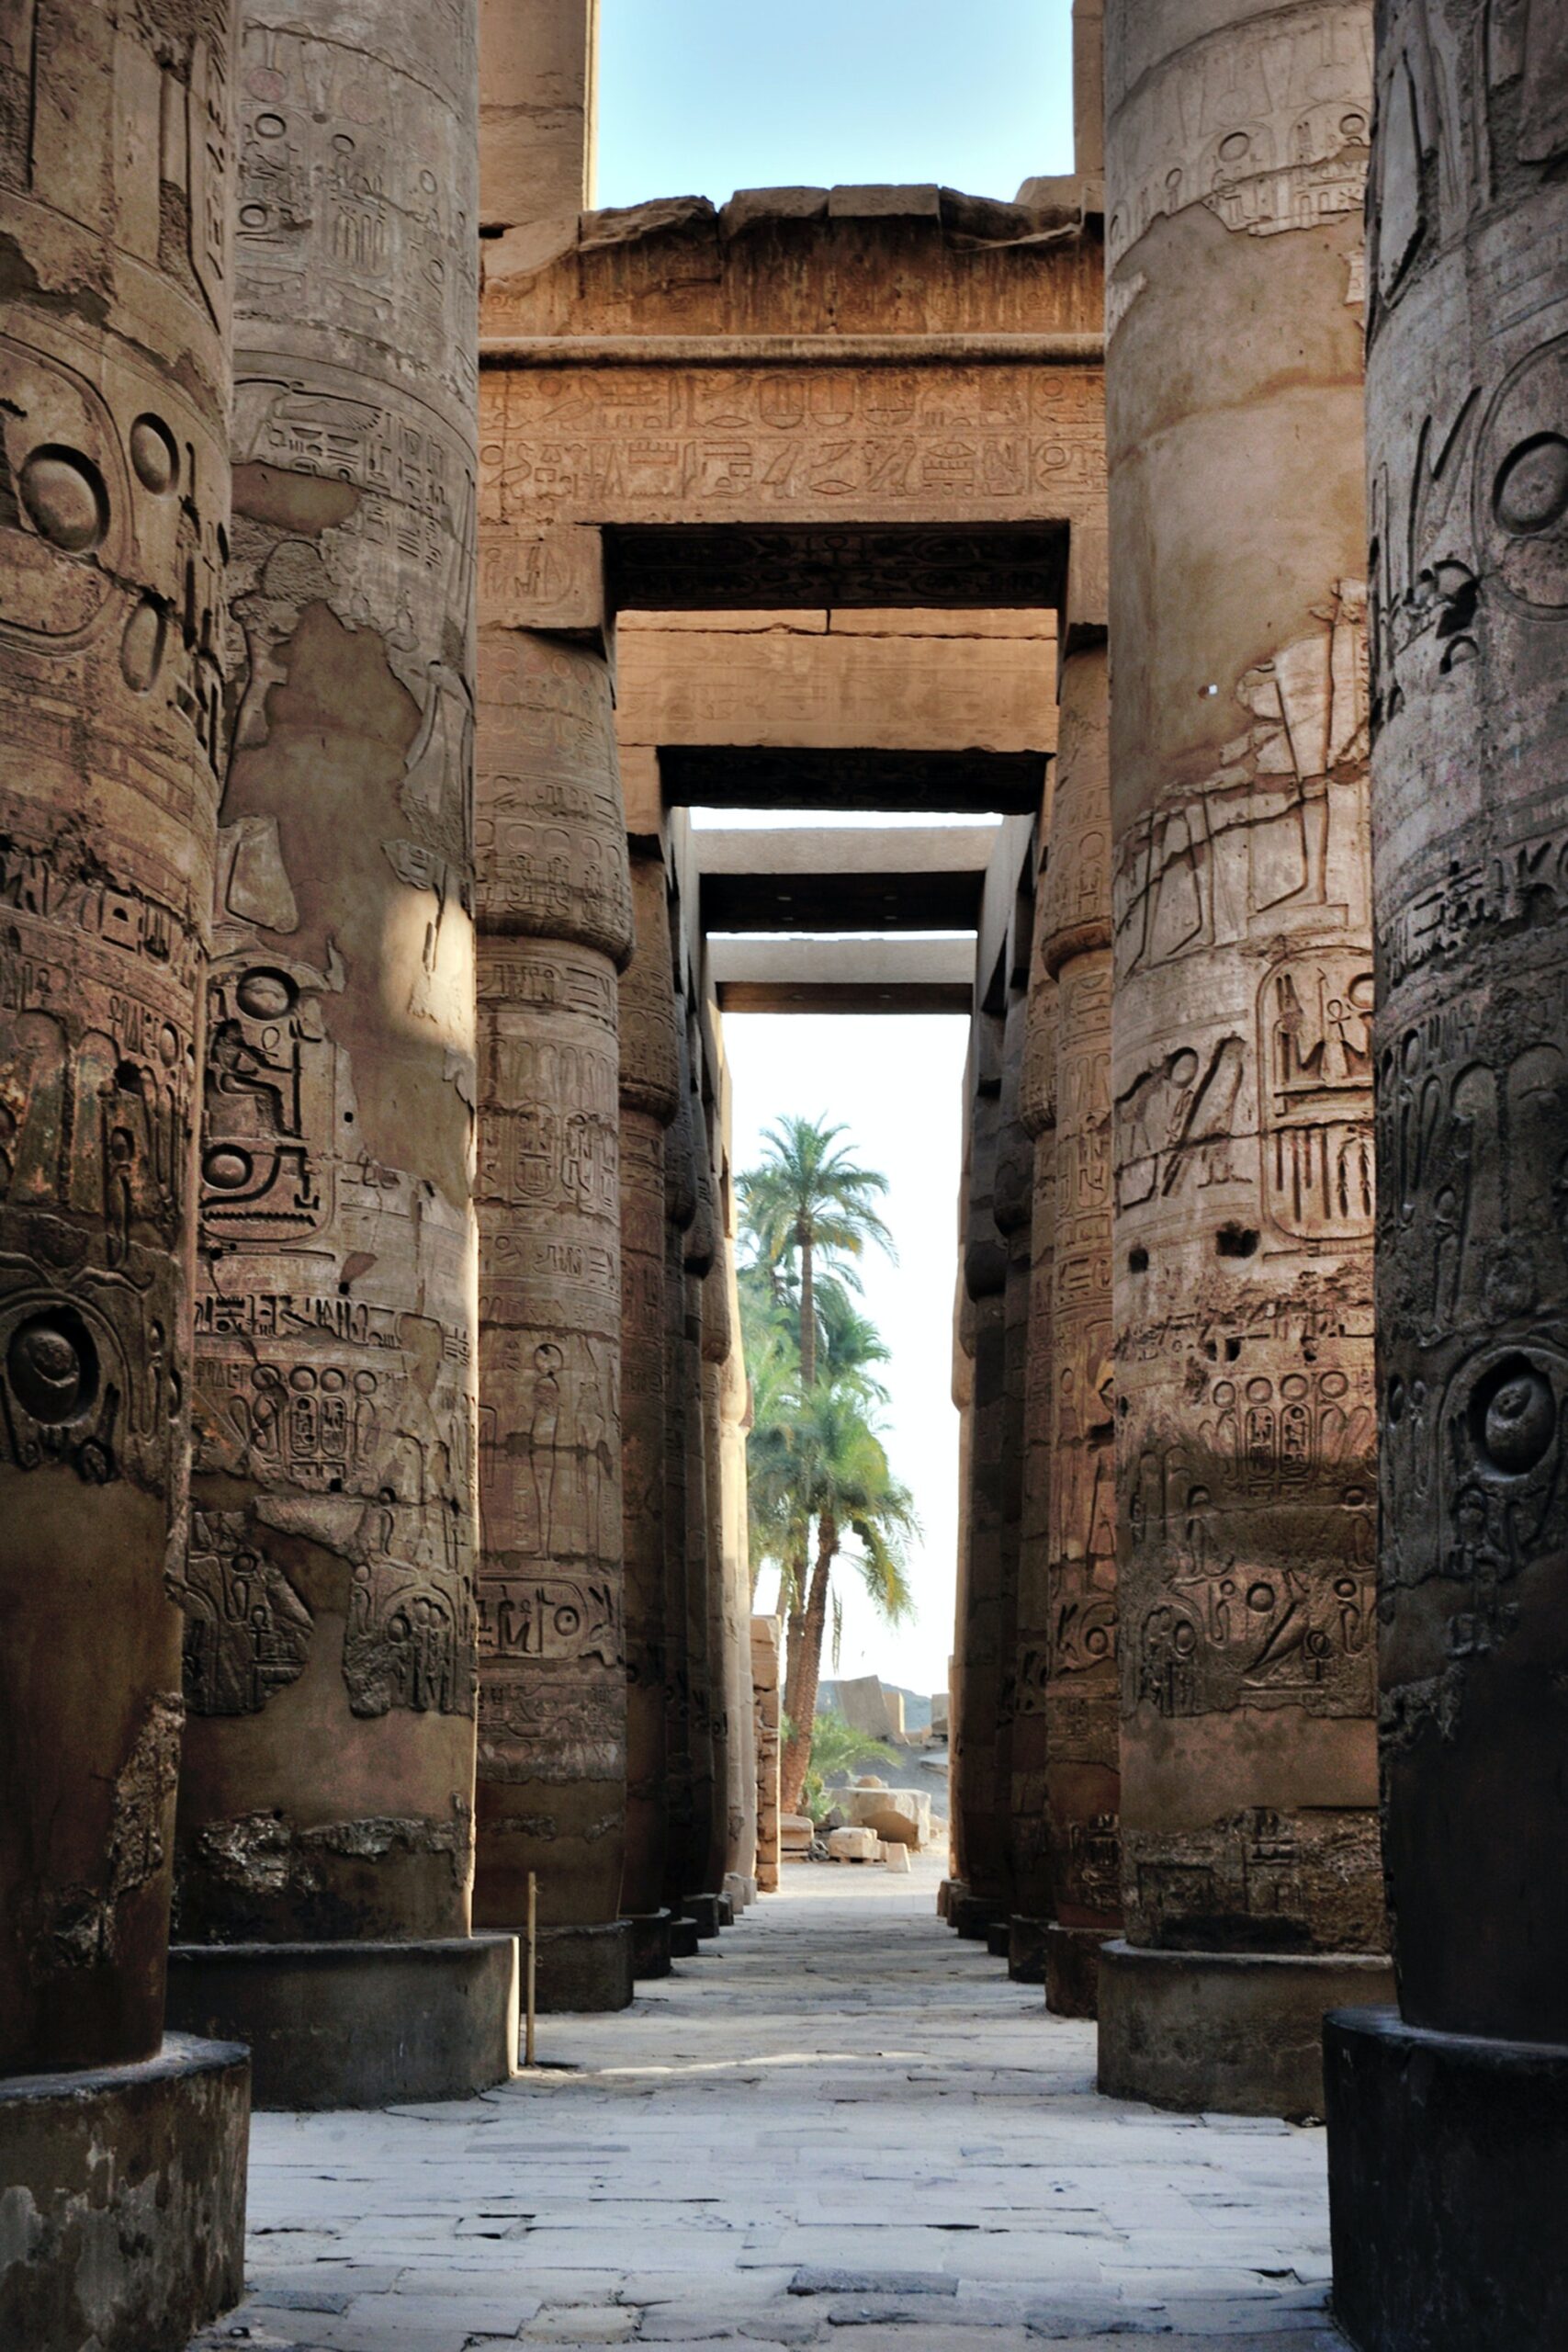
(808, 1198)
(848, 1487)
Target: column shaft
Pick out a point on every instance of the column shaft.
(1467, 400)
(650, 1089)
(1234, 165)
(1084, 1768)
(113, 540)
(556, 925)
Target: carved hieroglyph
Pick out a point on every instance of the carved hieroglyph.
(116, 180)
(1083, 1769)
(555, 924)
(1468, 465)
(329, 1657)
(1242, 1079)
(650, 1096)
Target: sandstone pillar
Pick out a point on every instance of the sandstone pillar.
(537, 72)
(1012, 1206)
(325, 1815)
(556, 925)
(1083, 1770)
(650, 1096)
(765, 1680)
(982, 1804)
(700, 1899)
(740, 1874)
(1449, 2117)
(1242, 1076)
(1037, 1109)
(115, 175)
(716, 1342)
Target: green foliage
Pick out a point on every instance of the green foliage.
(836, 1747)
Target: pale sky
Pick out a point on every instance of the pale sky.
(700, 98)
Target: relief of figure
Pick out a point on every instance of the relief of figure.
(247, 1632)
(543, 1427)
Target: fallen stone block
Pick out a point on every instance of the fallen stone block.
(896, 1857)
(901, 1816)
(853, 1845)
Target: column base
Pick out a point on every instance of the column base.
(651, 1943)
(740, 1889)
(684, 1943)
(1446, 2157)
(122, 2220)
(999, 1938)
(588, 1970)
(971, 1915)
(356, 2024)
(1240, 2033)
(1026, 1949)
(944, 1898)
(1072, 1970)
(706, 1912)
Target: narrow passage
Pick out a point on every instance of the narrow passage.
(839, 2126)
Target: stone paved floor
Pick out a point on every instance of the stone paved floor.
(839, 2127)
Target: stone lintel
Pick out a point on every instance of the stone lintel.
(703, 775)
(788, 975)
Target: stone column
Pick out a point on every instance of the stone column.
(716, 1342)
(1242, 1060)
(556, 925)
(699, 1899)
(116, 177)
(949, 1895)
(682, 1853)
(649, 1093)
(1012, 1206)
(766, 1642)
(1449, 2117)
(326, 1792)
(1037, 1109)
(1083, 1773)
(537, 77)
(740, 1876)
(981, 1897)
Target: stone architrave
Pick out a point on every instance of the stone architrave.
(981, 1897)
(1012, 1208)
(326, 1787)
(1449, 2117)
(1082, 1736)
(1242, 1069)
(555, 928)
(650, 1098)
(1037, 1109)
(116, 181)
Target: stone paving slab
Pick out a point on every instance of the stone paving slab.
(840, 2127)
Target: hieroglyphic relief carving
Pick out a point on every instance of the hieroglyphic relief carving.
(336, 1348)
(1265, 124)
(646, 443)
(114, 505)
(247, 1631)
(1243, 976)
(555, 912)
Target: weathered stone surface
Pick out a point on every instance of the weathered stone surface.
(649, 1094)
(853, 1845)
(536, 111)
(1242, 1076)
(1080, 1700)
(326, 1786)
(767, 1704)
(901, 1816)
(113, 394)
(341, 2024)
(122, 2218)
(1238, 2033)
(1457, 2107)
(555, 924)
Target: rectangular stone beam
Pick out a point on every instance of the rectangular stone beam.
(723, 775)
(842, 975)
(837, 878)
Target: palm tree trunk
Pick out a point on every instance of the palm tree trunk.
(807, 1309)
(804, 1676)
